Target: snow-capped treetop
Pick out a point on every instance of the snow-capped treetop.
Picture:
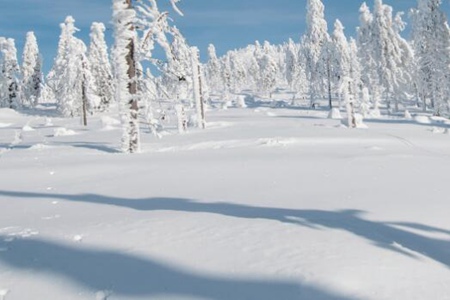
(316, 25)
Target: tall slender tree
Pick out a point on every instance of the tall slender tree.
(313, 42)
(32, 76)
(101, 66)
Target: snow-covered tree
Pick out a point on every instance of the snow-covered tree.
(197, 79)
(365, 43)
(100, 66)
(431, 36)
(391, 51)
(177, 71)
(130, 49)
(268, 68)
(313, 42)
(384, 53)
(124, 18)
(70, 77)
(340, 59)
(213, 71)
(32, 76)
(292, 64)
(10, 74)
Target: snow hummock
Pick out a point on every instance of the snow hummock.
(61, 131)
(335, 114)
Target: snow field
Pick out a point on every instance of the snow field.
(265, 204)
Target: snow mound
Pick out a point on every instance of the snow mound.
(422, 119)
(109, 121)
(61, 131)
(335, 114)
(27, 128)
(48, 122)
(408, 115)
(439, 130)
(39, 147)
(8, 113)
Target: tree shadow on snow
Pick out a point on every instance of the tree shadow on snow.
(91, 146)
(390, 236)
(130, 276)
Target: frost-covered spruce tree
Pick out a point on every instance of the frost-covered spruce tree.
(59, 72)
(213, 71)
(340, 59)
(431, 39)
(100, 66)
(178, 69)
(292, 64)
(238, 72)
(313, 42)
(355, 76)
(32, 76)
(365, 43)
(269, 69)
(391, 52)
(70, 77)
(10, 75)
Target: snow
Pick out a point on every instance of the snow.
(267, 203)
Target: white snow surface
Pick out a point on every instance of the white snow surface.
(266, 204)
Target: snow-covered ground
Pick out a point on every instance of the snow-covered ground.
(267, 203)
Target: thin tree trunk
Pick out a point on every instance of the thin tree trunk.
(84, 95)
(202, 102)
(133, 129)
(330, 102)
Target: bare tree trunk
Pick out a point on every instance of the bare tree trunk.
(330, 102)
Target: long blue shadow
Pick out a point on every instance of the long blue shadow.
(132, 276)
(381, 234)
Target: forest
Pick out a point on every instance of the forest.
(379, 71)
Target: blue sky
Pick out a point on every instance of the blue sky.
(228, 24)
